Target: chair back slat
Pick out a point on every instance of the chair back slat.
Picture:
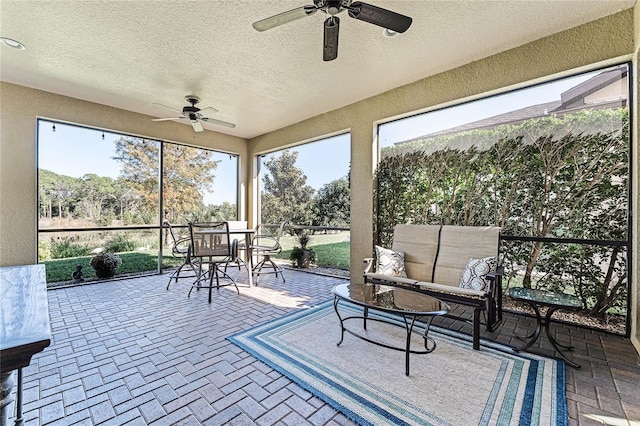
(210, 239)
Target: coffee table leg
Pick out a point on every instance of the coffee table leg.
(366, 314)
(335, 307)
(425, 336)
(409, 327)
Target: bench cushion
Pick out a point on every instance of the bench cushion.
(373, 277)
(476, 294)
(419, 244)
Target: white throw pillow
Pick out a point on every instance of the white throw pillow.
(389, 262)
(474, 275)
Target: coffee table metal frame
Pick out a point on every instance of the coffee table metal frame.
(409, 318)
(553, 301)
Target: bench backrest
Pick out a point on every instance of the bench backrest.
(439, 254)
(458, 244)
(420, 246)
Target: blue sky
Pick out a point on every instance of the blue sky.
(322, 161)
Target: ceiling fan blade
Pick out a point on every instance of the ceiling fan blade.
(166, 119)
(218, 122)
(284, 18)
(196, 126)
(331, 30)
(173, 109)
(212, 109)
(379, 16)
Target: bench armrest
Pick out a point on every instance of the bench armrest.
(495, 280)
(497, 274)
(369, 264)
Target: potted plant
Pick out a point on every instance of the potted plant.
(105, 264)
(302, 256)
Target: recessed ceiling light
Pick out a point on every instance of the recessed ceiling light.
(12, 43)
(389, 33)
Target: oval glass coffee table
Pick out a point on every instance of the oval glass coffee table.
(407, 304)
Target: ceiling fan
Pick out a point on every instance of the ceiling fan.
(365, 12)
(195, 114)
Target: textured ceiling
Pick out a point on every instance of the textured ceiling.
(131, 54)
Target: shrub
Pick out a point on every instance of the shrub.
(67, 247)
(119, 244)
(105, 261)
(44, 250)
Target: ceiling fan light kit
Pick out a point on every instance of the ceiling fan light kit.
(392, 22)
(331, 28)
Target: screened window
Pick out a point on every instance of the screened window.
(102, 191)
(549, 164)
(307, 184)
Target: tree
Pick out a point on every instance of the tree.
(224, 211)
(188, 172)
(333, 202)
(97, 196)
(46, 182)
(61, 192)
(286, 195)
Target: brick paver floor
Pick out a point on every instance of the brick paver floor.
(131, 352)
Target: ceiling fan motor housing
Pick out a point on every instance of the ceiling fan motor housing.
(190, 109)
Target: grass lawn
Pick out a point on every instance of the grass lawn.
(331, 249)
(132, 262)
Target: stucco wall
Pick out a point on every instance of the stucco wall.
(20, 108)
(597, 42)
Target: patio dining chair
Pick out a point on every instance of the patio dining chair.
(235, 225)
(263, 247)
(211, 245)
(180, 250)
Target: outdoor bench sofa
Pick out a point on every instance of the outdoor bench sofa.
(452, 263)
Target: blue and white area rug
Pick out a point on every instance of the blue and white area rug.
(454, 385)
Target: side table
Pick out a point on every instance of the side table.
(553, 300)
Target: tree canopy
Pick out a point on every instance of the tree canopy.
(187, 173)
(286, 195)
(333, 204)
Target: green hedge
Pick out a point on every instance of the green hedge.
(548, 177)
